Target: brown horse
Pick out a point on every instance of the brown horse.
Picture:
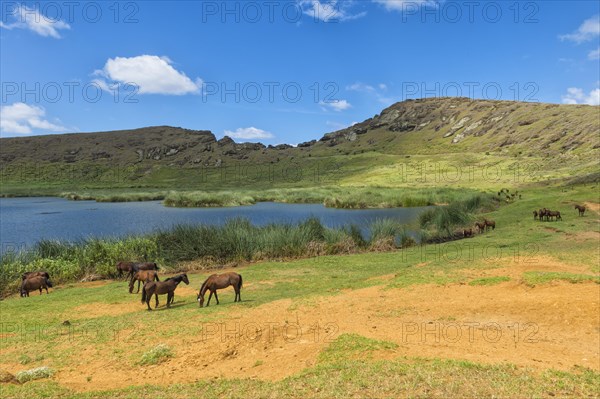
(124, 267)
(581, 209)
(157, 288)
(142, 275)
(135, 267)
(467, 232)
(535, 215)
(220, 281)
(480, 226)
(553, 214)
(543, 213)
(27, 275)
(489, 223)
(35, 283)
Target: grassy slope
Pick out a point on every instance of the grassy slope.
(337, 374)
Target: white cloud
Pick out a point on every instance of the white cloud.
(588, 30)
(339, 105)
(576, 95)
(20, 118)
(151, 73)
(360, 87)
(594, 54)
(403, 5)
(33, 20)
(249, 133)
(377, 92)
(329, 10)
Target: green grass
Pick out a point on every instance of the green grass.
(536, 278)
(156, 355)
(353, 346)
(417, 378)
(490, 280)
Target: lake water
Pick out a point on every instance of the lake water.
(25, 221)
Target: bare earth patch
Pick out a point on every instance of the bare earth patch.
(99, 309)
(514, 267)
(592, 206)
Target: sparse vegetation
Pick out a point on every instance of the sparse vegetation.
(535, 277)
(490, 280)
(156, 355)
(34, 374)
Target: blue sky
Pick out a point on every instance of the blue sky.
(281, 71)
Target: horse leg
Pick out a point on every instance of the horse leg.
(40, 290)
(156, 297)
(169, 299)
(210, 296)
(46, 289)
(138, 290)
(216, 297)
(148, 296)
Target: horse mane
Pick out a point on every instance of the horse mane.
(203, 286)
(178, 278)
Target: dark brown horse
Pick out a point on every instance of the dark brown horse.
(543, 213)
(581, 209)
(553, 214)
(480, 226)
(489, 223)
(218, 282)
(157, 288)
(142, 275)
(124, 267)
(27, 275)
(468, 232)
(535, 215)
(35, 283)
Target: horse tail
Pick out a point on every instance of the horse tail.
(240, 281)
(48, 282)
(156, 277)
(155, 266)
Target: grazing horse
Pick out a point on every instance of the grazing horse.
(535, 215)
(220, 281)
(157, 288)
(554, 214)
(35, 283)
(124, 267)
(27, 275)
(543, 213)
(489, 223)
(142, 275)
(468, 232)
(135, 267)
(581, 209)
(480, 226)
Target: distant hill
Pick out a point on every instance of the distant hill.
(424, 127)
(457, 124)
